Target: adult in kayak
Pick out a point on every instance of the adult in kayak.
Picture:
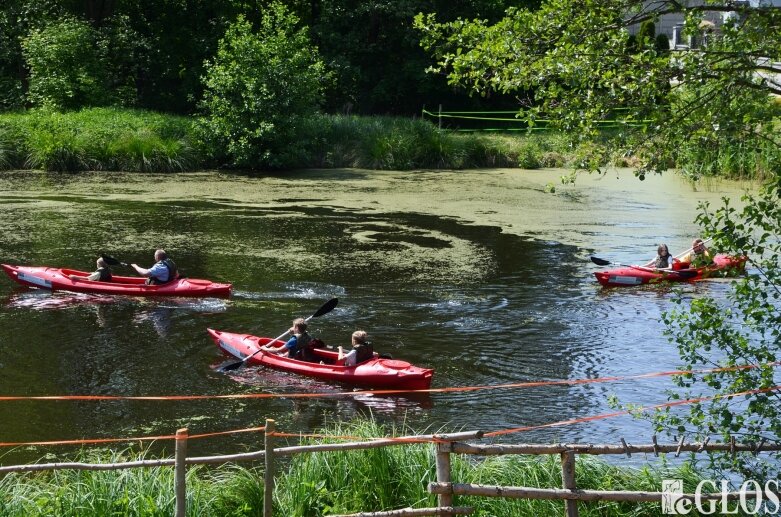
(102, 274)
(699, 255)
(663, 258)
(362, 350)
(295, 345)
(162, 272)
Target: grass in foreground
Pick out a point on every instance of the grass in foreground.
(321, 484)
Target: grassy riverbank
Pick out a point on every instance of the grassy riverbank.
(111, 139)
(320, 484)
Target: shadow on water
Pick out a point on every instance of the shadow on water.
(440, 268)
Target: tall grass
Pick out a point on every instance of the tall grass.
(730, 158)
(405, 144)
(319, 484)
(98, 139)
(113, 139)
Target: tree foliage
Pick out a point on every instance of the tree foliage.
(260, 86)
(158, 49)
(67, 66)
(744, 330)
(578, 59)
(374, 51)
(574, 56)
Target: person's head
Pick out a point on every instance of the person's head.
(698, 246)
(160, 255)
(359, 337)
(662, 250)
(299, 326)
(101, 263)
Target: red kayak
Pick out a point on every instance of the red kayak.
(376, 373)
(639, 275)
(56, 279)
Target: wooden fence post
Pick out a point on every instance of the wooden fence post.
(439, 116)
(568, 481)
(443, 472)
(268, 477)
(180, 472)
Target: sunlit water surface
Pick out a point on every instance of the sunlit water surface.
(481, 275)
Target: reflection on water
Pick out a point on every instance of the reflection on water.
(477, 274)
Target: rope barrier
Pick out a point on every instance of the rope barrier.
(455, 389)
(514, 430)
(624, 413)
(472, 115)
(136, 439)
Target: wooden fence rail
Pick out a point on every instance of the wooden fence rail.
(444, 487)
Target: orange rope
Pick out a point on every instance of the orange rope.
(456, 389)
(137, 439)
(404, 439)
(622, 413)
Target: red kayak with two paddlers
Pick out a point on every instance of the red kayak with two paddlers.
(378, 373)
(58, 279)
(632, 275)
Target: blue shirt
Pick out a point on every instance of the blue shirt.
(159, 271)
(292, 343)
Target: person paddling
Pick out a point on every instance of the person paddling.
(102, 274)
(295, 345)
(698, 256)
(163, 271)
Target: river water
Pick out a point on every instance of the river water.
(482, 275)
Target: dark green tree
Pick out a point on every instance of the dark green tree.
(17, 18)
(375, 54)
(67, 62)
(260, 86)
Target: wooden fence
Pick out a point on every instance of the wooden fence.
(444, 487)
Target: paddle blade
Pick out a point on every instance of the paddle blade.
(600, 262)
(326, 307)
(111, 261)
(230, 366)
(686, 275)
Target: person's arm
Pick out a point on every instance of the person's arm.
(141, 271)
(349, 357)
(279, 349)
(94, 277)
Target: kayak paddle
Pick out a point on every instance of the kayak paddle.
(682, 273)
(324, 309)
(111, 261)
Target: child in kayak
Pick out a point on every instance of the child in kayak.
(663, 259)
(362, 350)
(102, 274)
(295, 344)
